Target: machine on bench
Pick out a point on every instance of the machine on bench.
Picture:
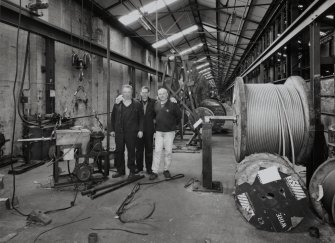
(85, 148)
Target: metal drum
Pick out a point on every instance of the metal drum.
(218, 109)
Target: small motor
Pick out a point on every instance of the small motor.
(83, 171)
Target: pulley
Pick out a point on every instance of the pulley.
(83, 171)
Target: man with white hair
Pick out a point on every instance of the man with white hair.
(127, 126)
(168, 115)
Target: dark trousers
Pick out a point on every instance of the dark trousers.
(144, 144)
(122, 140)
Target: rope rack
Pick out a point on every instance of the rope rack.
(274, 119)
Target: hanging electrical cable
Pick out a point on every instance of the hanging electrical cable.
(14, 110)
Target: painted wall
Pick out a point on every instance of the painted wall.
(67, 15)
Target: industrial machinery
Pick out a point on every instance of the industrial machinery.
(85, 149)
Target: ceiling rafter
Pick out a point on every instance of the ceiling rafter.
(197, 18)
(246, 12)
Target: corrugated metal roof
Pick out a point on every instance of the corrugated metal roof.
(238, 21)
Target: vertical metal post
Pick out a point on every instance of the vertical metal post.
(49, 76)
(108, 90)
(315, 66)
(207, 155)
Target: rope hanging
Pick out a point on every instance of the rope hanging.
(276, 119)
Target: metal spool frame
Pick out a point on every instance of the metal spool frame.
(240, 110)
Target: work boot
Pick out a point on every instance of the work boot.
(167, 174)
(153, 176)
(117, 175)
(137, 171)
(149, 172)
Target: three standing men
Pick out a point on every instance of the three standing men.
(147, 113)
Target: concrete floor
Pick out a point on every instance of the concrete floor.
(180, 216)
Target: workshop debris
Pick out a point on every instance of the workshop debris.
(92, 238)
(314, 232)
(8, 237)
(38, 217)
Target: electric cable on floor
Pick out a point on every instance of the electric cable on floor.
(119, 229)
(62, 225)
(130, 197)
(72, 203)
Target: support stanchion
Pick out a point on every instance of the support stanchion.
(208, 185)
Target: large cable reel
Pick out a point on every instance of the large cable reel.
(272, 118)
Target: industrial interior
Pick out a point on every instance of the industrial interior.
(205, 121)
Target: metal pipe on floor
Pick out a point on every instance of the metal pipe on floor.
(117, 187)
(102, 187)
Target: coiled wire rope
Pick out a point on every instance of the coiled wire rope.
(276, 120)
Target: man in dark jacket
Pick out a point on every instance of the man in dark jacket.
(127, 126)
(168, 115)
(145, 144)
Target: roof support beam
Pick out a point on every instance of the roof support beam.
(218, 29)
(114, 5)
(197, 18)
(241, 26)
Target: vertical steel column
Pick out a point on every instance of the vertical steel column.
(318, 154)
(292, 47)
(108, 90)
(207, 155)
(49, 76)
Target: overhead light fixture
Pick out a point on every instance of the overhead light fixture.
(175, 36)
(205, 70)
(202, 66)
(330, 16)
(149, 8)
(201, 59)
(191, 49)
(188, 50)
